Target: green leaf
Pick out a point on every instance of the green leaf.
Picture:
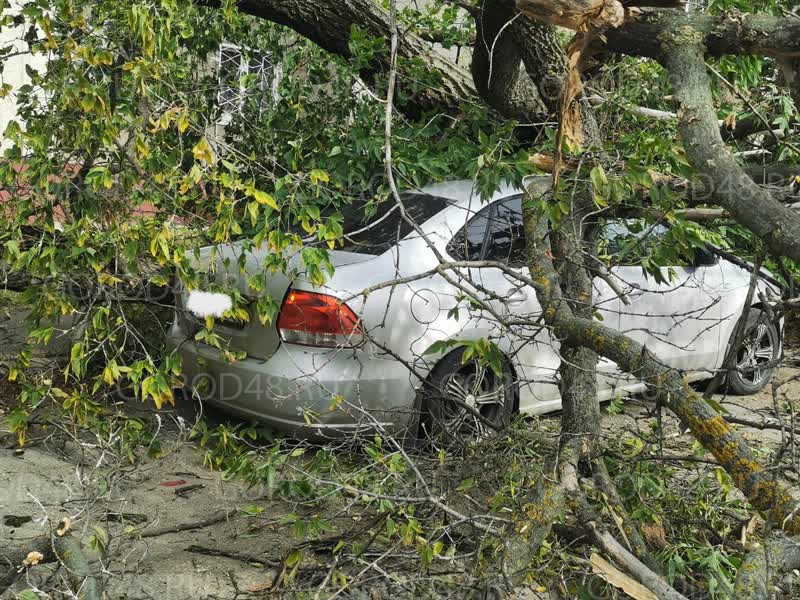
(466, 485)
(76, 359)
(439, 346)
(265, 198)
(318, 175)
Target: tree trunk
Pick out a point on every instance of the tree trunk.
(497, 65)
(580, 420)
(329, 23)
(763, 491)
(779, 555)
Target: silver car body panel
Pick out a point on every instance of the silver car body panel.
(311, 391)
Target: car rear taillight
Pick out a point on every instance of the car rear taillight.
(315, 319)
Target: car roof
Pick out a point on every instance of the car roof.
(462, 192)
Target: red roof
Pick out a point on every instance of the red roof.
(145, 209)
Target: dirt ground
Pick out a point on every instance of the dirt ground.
(179, 530)
(215, 550)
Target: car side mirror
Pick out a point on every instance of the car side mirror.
(703, 257)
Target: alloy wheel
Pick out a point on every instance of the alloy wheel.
(756, 353)
(473, 400)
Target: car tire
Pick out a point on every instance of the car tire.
(465, 401)
(761, 345)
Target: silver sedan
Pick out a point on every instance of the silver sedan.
(363, 351)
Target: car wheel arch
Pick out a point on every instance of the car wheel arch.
(438, 357)
(759, 304)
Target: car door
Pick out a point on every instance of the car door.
(677, 317)
(533, 349)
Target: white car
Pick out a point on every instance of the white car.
(355, 354)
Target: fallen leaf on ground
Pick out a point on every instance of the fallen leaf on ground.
(33, 558)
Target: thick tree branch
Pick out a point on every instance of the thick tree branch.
(497, 65)
(779, 555)
(328, 23)
(650, 33)
(543, 58)
(730, 186)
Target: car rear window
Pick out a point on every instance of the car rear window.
(379, 232)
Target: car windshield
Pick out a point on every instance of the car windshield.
(379, 232)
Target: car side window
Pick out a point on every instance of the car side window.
(495, 233)
(468, 244)
(628, 241)
(506, 236)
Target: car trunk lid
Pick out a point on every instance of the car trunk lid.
(257, 340)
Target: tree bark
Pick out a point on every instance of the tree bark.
(730, 186)
(328, 23)
(497, 65)
(763, 491)
(578, 370)
(545, 62)
(543, 58)
(779, 555)
(648, 33)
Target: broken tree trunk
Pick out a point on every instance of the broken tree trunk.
(66, 549)
(779, 555)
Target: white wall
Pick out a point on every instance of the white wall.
(14, 70)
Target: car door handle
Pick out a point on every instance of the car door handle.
(516, 296)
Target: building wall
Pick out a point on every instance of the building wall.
(14, 70)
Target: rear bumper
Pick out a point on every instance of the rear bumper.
(306, 392)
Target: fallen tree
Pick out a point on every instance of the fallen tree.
(517, 66)
(680, 42)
